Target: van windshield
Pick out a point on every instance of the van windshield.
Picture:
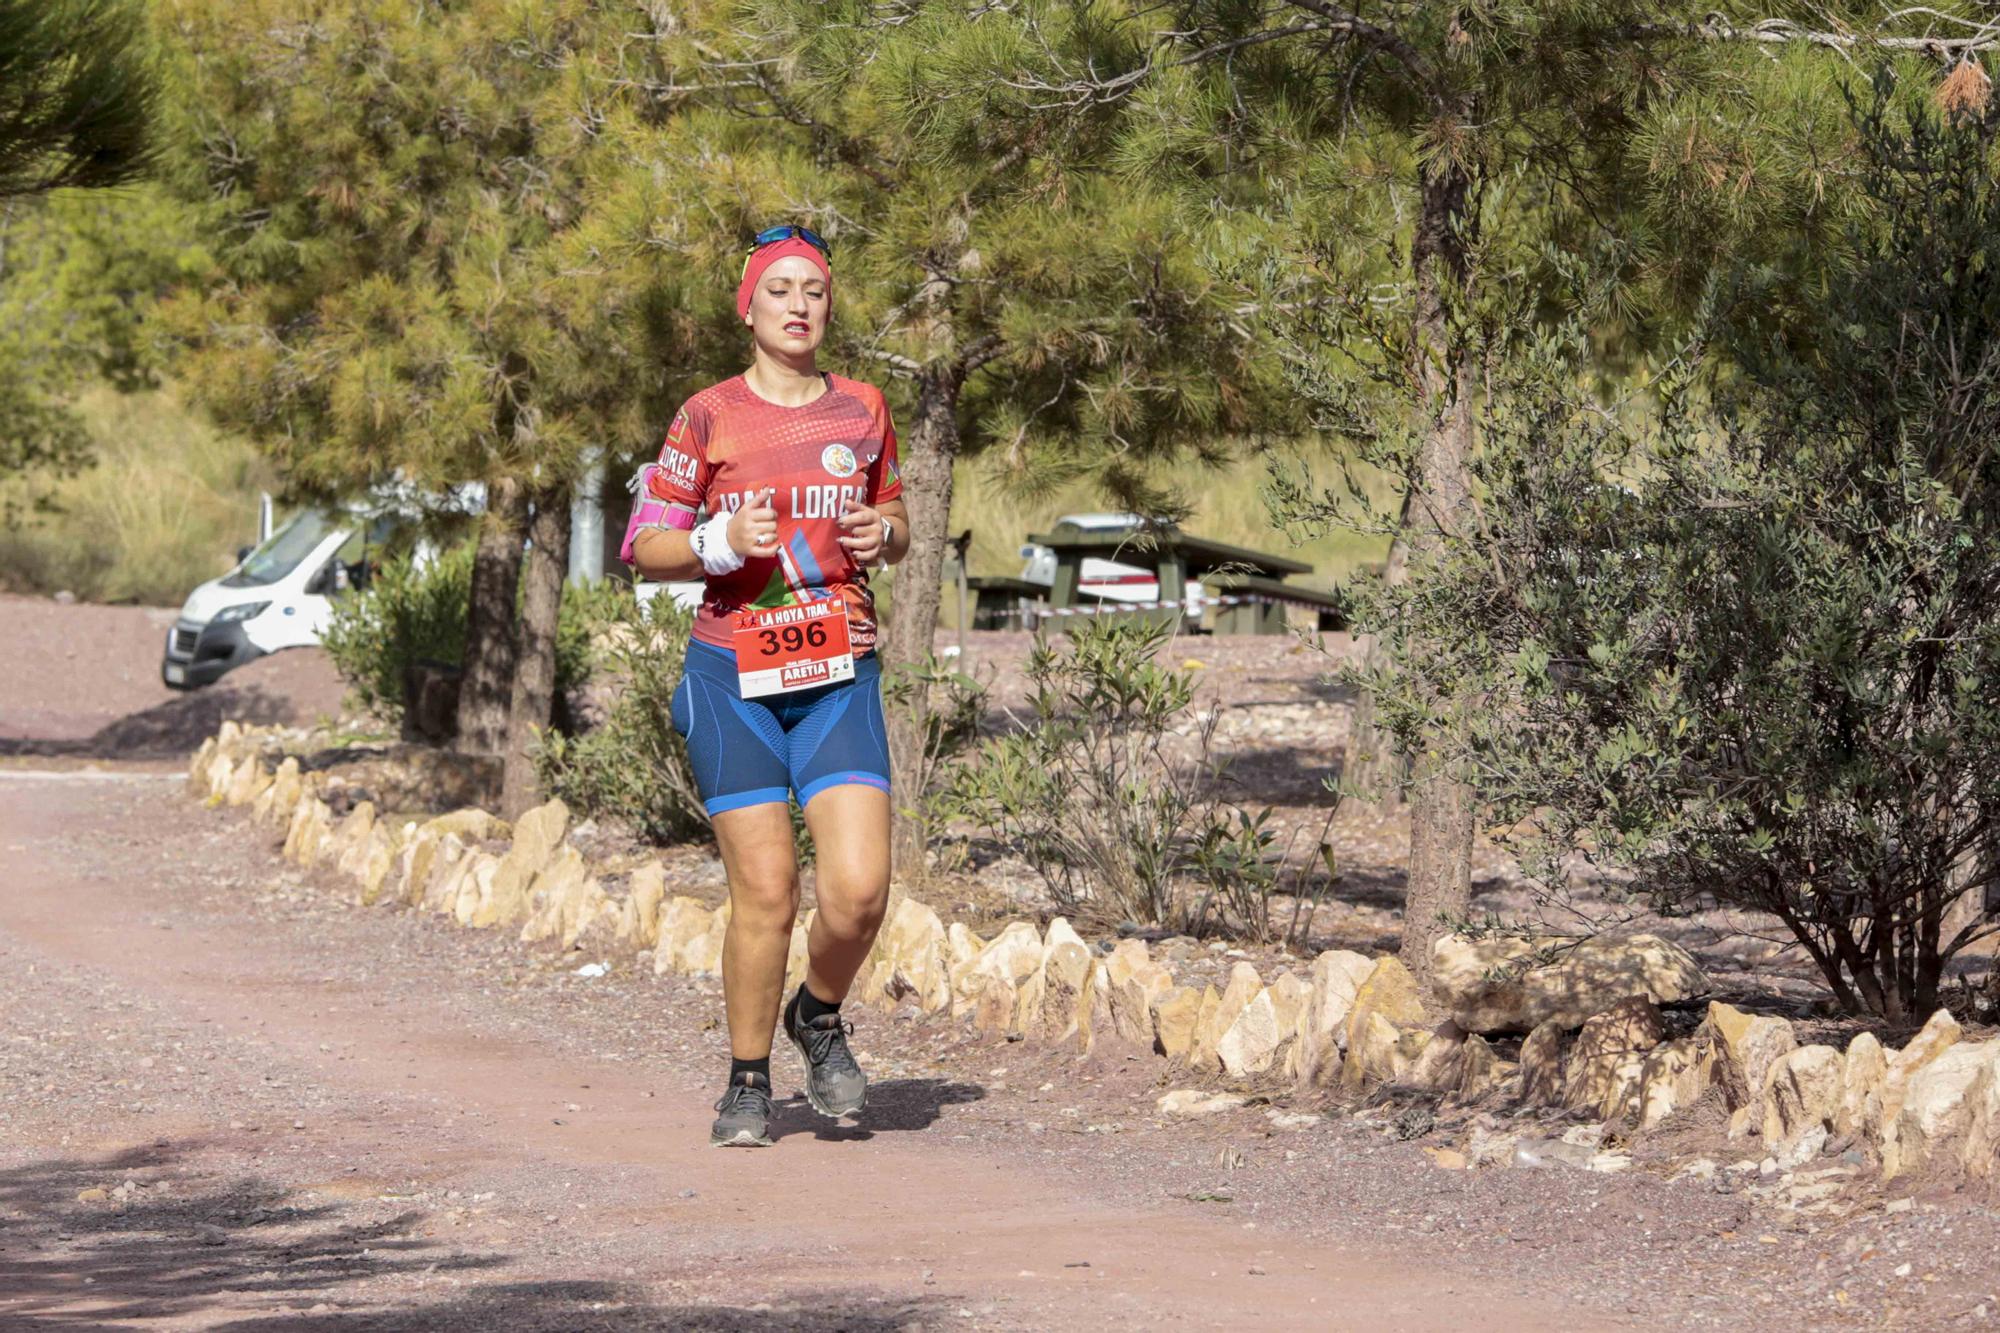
(281, 554)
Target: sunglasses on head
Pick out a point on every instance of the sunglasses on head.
(772, 235)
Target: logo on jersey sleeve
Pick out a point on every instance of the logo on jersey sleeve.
(838, 460)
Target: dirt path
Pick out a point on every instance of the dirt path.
(312, 1129)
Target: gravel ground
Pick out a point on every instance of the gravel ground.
(229, 1099)
(396, 1123)
(83, 683)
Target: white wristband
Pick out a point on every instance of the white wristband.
(711, 546)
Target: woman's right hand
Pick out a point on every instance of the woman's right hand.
(753, 529)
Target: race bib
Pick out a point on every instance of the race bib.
(786, 648)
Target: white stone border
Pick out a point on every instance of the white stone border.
(1352, 1022)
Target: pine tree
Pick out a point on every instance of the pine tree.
(1064, 326)
(76, 95)
(1486, 148)
(401, 191)
(76, 112)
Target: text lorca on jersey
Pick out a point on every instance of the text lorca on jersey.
(806, 501)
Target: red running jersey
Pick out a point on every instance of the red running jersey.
(726, 444)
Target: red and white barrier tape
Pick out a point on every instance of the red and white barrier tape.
(1109, 607)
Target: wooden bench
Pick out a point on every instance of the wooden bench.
(1176, 559)
(1268, 616)
(999, 602)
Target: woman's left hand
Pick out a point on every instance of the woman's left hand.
(861, 533)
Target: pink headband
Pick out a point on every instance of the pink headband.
(765, 256)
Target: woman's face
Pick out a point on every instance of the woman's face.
(789, 308)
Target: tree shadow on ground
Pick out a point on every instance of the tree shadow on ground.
(182, 1249)
(608, 1307)
(895, 1106)
(171, 1249)
(168, 730)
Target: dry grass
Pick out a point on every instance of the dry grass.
(167, 504)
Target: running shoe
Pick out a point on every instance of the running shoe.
(744, 1114)
(835, 1084)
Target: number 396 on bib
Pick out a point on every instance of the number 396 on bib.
(788, 648)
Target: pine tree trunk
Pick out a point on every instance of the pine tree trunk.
(535, 665)
(1446, 370)
(486, 686)
(929, 449)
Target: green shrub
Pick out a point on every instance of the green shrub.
(633, 767)
(1765, 674)
(411, 613)
(1115, 812)
(408, 613)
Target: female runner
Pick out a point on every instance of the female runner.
(795, 472)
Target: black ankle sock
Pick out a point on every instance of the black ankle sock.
(738, 1068)
(811, 1006)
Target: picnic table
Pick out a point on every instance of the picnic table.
(1178, 559)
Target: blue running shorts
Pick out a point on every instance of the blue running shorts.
(750, 751)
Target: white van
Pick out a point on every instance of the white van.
(279, 596)
(281, 593)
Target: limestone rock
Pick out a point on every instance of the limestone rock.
(471, 886)
(961, 946)
(564, 900)
(197, 774)
(1013, 956)
(1937, 1109)
(1244, 983)
(1195, 1102)
(993, 1007)
(1481, 1071)
(639, 924)
(1380, 1052)
(413, 867)
(1064, 1005)
(1801, 1092)
(912, 963)
(1744, 1047)
(310, 833)
(350, 840)
(249, 782)
(1441, 1068)
(1337, 976)
(1095, 1020)
(427, 891)
(537, 835)
(1132, 982)
(1979, 1155)
(1673, 1077)
(377, 861)
(1265, 1028)
(1542, 1064)
(277, 799)
(1388, 991)
(1174, 1016)
(1504, 984)
(1938, 1035)
(1864, 1074)
(471, 824)
(701, 956)
(681, 920)
(1605, 1065)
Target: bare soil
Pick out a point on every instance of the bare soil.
(230, 1099)
(82, 682)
